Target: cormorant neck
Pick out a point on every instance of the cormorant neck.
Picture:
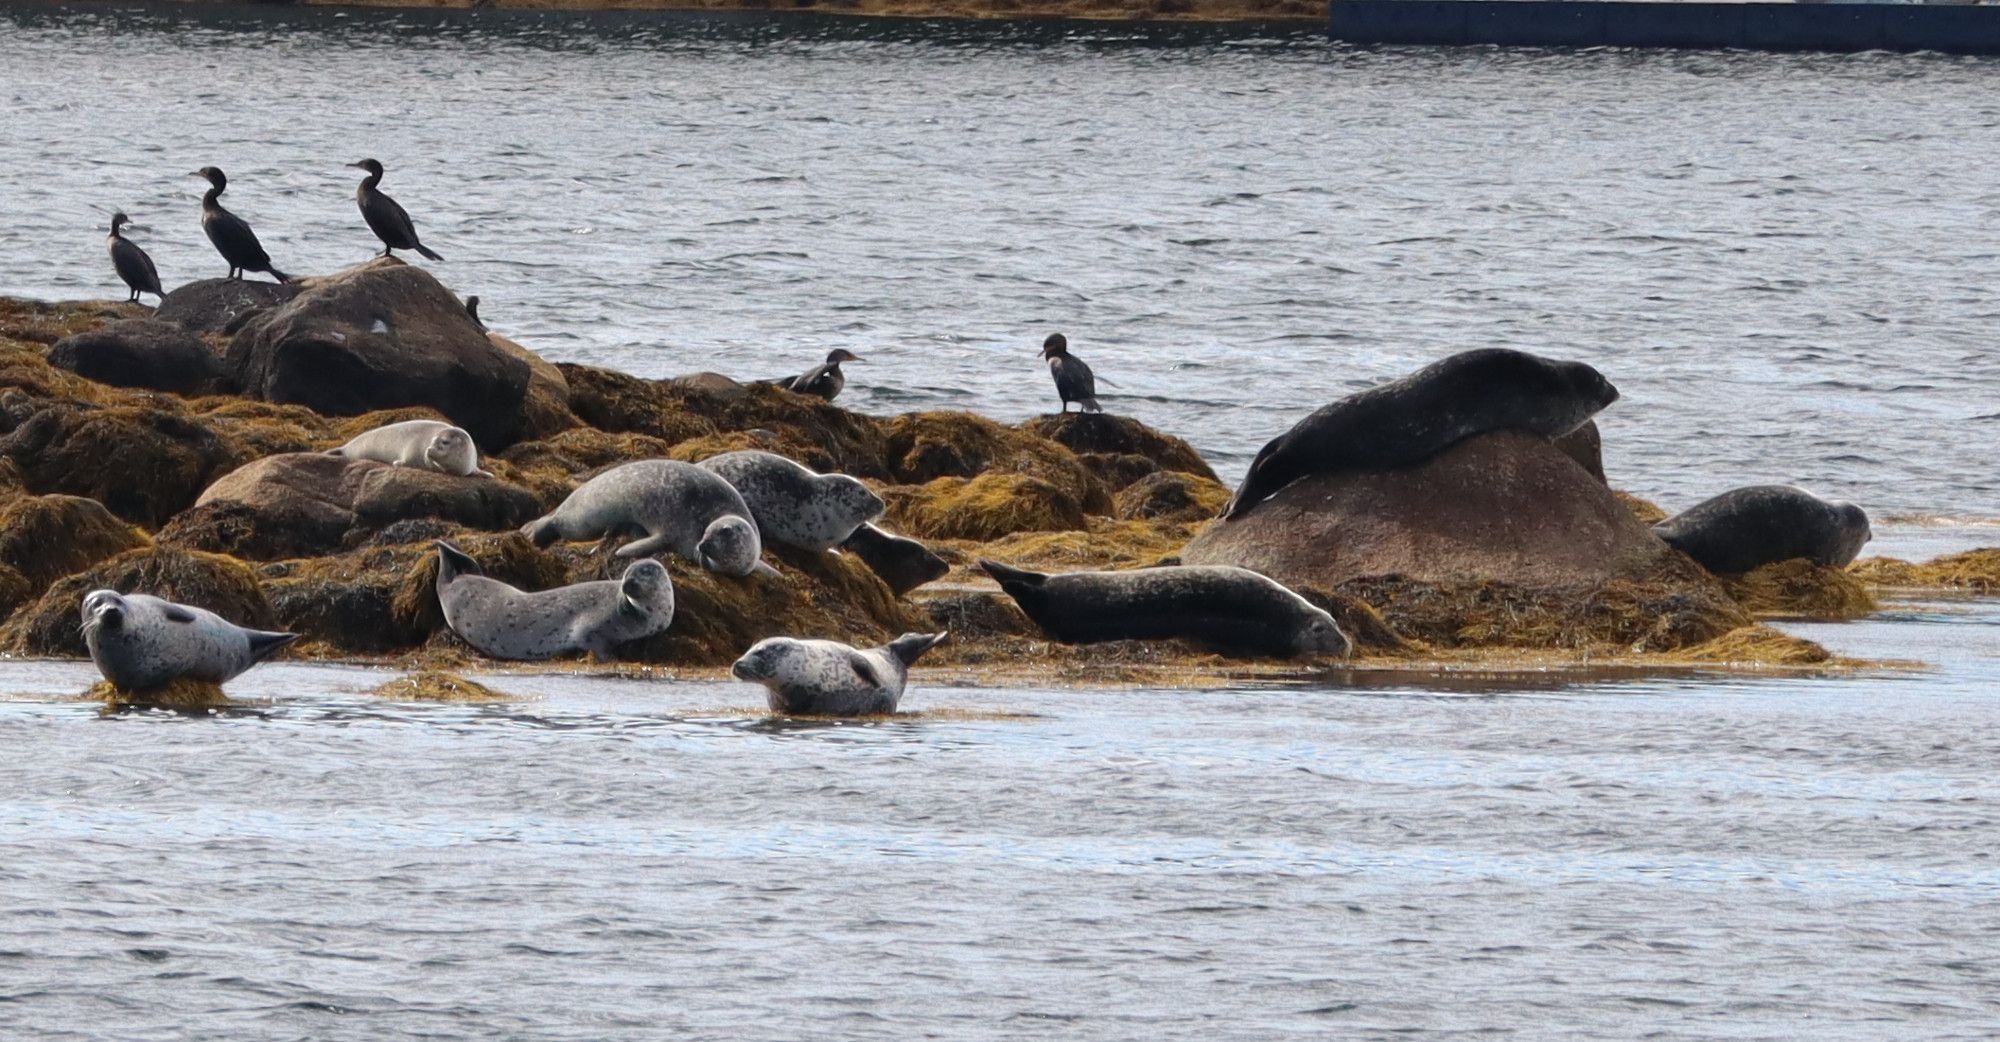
(208, 198)
(368, 183)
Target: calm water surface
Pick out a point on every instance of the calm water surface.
(1785, 262)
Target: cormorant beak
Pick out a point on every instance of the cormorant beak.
(357, 166)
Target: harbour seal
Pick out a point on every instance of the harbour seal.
(1409, 420)
(828, 678)
(904, 564)
(1234, 611)
(424, 444)
(503, 622)
(680, 507)
(794, 506)
(1074, 380)
(143, 643)
(1746, 528)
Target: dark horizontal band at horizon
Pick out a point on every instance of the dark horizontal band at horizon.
(1957, 29)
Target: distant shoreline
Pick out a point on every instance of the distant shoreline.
(1288, 12)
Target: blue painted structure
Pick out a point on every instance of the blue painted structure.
(1649, 23)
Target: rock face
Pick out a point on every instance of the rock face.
(140, 352)
(146, 464)
(221, 305)
(1101, 433)
(382, 336)
(545, 409)
(1500, 507)
(307, 502)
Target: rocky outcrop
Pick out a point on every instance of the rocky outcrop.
(1102, 433)
(984, 508)
(145, 463)
(384, 335)
(140, 352)
(43, 538)
(1171, 495)
(305, 503)
(545, 408)
(222, 305)
(1501, 507)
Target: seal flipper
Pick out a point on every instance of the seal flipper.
(452, 563)
(1012, 579)
(910, 647)
(646, 547)
(865, 670)
(177, 613)
(264, 642)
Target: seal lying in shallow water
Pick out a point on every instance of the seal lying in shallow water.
(680, 507)
(792, 505)
(1233, 611)
(425, 444)
(143, 643)
(828, 678)
(1746, 528)
(597, 616)
(903, 563)
(1410, 420)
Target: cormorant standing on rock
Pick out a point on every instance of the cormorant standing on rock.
(472, 311)
(1073, 379)
(824, 381)
(231, 234)
(132, 263)
(385, 218)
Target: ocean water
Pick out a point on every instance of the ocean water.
(1783, 261)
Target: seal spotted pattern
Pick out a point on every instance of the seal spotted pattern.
(425, 444)
(681, 507)
(1409, 420)
(142, 643)
(828, 678)
(597, 616)
(792, 505)
(1746, 528)
(1233, 611)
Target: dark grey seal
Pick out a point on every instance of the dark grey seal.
(503, 622)
(903, 563)
(1409, 420)
(679, 506)
(1746, 528)
(1233, 611)
(828, 678)
(143, 643)
(792, 505)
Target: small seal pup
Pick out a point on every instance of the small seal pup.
(792, 505)
(679, 506)
(1074, 380)
(424, 444)
(1745, 528)
(828, 678)
(1233, 611)
(503, 622)
(1411, 419)
(142, 643)
(904, 564)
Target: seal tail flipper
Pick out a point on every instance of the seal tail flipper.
(541, 531)
(910, 647)
(1012, 579)
(765, 570)
(428, 252)
(453, 562)
(264, 642)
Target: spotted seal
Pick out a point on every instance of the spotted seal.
(425, 444)
(597, 616)
(1745, 528)
(143, 643)
(1233, 611)
(828, 678)
(1409, 420)
(792, 505)
(681, 507)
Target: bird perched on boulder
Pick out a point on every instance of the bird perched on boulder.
(824, 380)
(132, 263)
(1074, 381)
(231, 234)
(385, 217)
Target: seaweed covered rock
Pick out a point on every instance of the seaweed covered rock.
(223, 585)
(1800, 588)
(1502, 507)
(1973, 571)
(146, 464)
(1171, 495)
(1101, 433)
(620, 403)
(984, 508)
(545, 408)
(435, 686)
(140, 352)
(383, 335)
(43, 538)
(923, 446)
(221, 305)
(304, 503)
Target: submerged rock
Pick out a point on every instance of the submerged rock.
(140, 352)
(383, 335)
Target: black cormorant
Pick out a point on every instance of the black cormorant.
(385, 218)
(824, 381)
(231, 234)
(132, 263)
(1073, 379)
(472, 311)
